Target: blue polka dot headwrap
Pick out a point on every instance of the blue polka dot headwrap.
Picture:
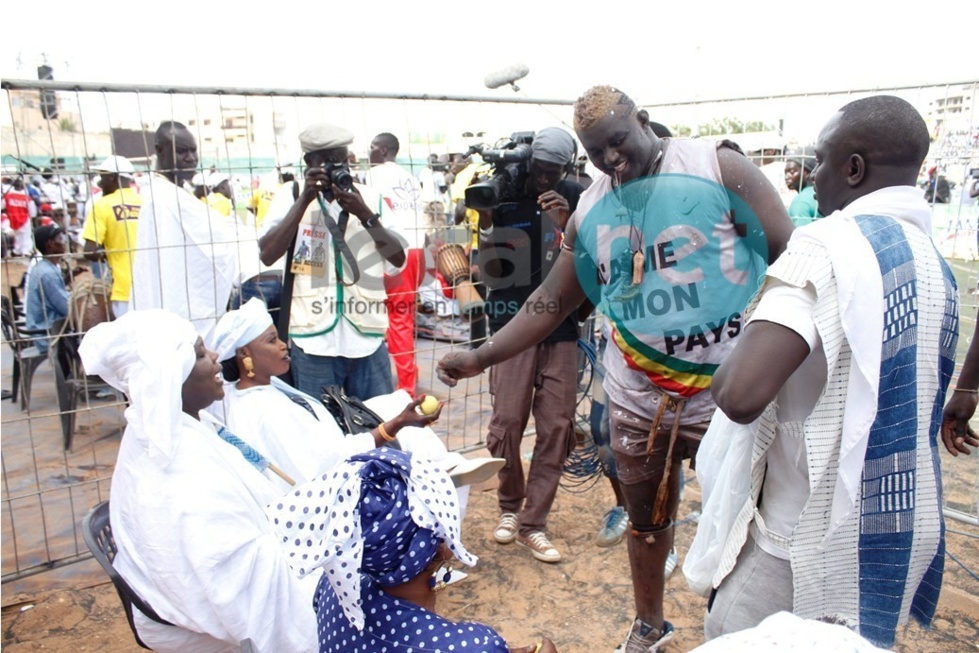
(380, 514)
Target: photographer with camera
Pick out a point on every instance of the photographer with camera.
(523, 208)
(338, 254)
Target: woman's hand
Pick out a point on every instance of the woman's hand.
(412, 417)
(544, 646)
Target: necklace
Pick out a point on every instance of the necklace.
(636, 234)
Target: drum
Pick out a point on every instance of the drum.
(453, 263)
(89, 304)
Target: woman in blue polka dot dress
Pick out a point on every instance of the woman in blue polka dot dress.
(395, 518)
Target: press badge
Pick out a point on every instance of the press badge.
(312, 244)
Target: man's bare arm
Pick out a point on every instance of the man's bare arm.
(744, 179)
(750, 378)
(558, 295)
(957, 435)
(93, 252)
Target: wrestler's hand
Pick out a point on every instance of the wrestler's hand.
(556, 206)
(545, 646)
(457, 365)
(956, 432)
(351, 202)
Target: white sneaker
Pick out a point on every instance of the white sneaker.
(506, 530)
(614, 528)
(650, 642)
(540, 547)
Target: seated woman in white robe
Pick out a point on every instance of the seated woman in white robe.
(187, 508)
(295, 430)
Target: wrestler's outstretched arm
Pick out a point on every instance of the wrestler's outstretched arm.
(558, 295)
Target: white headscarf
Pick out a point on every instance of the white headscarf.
(147, 355)
(238, 328)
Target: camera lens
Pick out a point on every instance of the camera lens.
(342, 178)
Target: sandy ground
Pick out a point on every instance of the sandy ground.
(583, 603)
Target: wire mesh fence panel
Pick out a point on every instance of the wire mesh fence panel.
(60, 447)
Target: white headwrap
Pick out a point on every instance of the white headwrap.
(147, 355)
(325, 522)
(238, 328)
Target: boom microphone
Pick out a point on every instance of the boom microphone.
(508, 75)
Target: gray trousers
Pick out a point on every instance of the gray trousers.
(759, 586)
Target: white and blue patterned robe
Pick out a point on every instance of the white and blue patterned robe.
(868, 549)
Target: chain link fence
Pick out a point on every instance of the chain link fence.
(60, 446)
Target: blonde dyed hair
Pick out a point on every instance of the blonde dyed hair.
(598, 102)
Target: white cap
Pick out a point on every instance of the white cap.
(324, 136)
(216, 178)
(119, 165)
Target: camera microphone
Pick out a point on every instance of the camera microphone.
(508, 75)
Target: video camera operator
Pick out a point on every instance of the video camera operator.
(520, 239)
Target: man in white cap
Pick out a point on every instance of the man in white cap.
(518, 244)
(110, 229)
(340, 253)
(221, 197)
(186, 258)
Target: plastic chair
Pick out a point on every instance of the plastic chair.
(27, 356)
(98, 536)
(70, 380)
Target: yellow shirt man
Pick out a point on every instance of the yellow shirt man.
(112, 225)
(220, 203)
(259, 204)
(457, 192)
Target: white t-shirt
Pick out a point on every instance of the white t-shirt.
(787, 480)
(402, 202)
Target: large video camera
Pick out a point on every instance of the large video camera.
(510, 170)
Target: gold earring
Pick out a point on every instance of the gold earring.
(249, 366)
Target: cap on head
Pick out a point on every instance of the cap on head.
(116, 165)
(806, 157)
(214, 179)
(324, 136)
(553, 145)
(43, 235)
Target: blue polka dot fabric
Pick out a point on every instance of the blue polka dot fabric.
(376, 518)
(395, 626)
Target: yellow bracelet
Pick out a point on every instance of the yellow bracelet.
(537, 648)
(384, 433)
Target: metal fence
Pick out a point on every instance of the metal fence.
(250, 134)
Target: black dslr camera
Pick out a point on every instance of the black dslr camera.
(510, 170)
(340, 175)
